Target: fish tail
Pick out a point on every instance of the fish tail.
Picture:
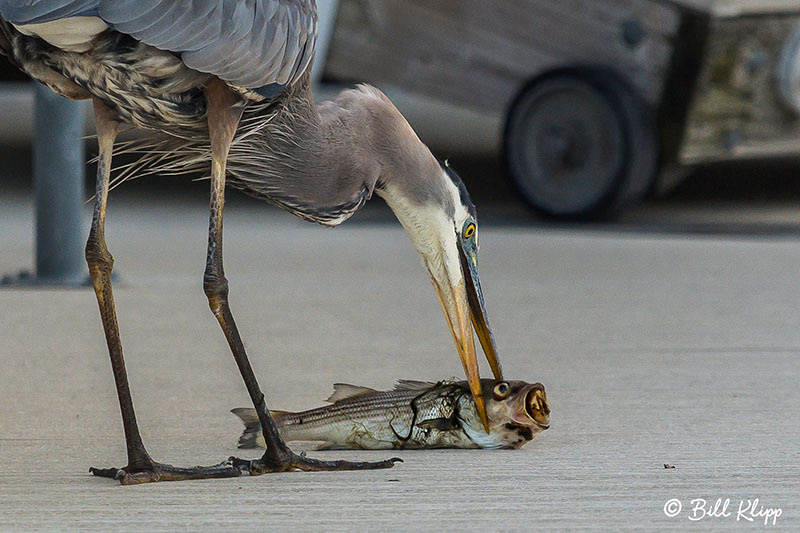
(252, 436)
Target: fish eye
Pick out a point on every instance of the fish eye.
(469, 231)
(501, 390)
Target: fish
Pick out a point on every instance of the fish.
(413, 415)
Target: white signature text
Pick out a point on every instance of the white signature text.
(746, 510)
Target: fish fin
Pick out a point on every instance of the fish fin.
(252, 437)
(442, 424)
(413, 385)
(247, 415)
(344, 391)
(252, 428)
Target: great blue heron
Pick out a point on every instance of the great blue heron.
(227, 81)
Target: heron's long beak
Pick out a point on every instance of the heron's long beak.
(463, 307)
(469, 265)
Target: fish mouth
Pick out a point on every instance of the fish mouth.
(536, 406)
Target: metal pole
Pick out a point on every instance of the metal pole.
(58, 171)
(326, 13)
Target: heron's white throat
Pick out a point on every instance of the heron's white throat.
(431, 229)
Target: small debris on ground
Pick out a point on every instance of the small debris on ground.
(666, 465)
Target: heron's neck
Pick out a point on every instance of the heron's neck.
(372, 139)
(323, 162)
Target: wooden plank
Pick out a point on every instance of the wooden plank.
(480, 54)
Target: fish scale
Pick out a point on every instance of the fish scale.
(377, 412)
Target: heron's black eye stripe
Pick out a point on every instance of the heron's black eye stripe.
(469, 231)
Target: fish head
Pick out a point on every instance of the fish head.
(517, 412)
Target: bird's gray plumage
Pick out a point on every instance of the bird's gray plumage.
(321, 163)
(39, 11)
(286, 150)
(263, 45)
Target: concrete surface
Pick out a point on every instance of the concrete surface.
(654, 349)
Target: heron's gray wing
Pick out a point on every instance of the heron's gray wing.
(37, 11)
(255, 44)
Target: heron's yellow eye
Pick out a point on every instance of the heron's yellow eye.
(501, 390)
(469, 231)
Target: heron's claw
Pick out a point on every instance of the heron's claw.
(293, 462)
(160, 472)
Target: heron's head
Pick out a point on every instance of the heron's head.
(434, 207)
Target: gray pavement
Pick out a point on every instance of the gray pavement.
(654, 349)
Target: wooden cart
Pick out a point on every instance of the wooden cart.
(603, 100)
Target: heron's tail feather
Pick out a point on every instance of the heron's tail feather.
(252, 437)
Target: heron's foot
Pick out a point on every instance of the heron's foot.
(290, 461)
(160, 472)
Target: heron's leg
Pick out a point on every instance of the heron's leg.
(223, 119)
(140, 468)
(100, 263)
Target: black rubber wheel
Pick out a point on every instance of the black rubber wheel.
(580, 145)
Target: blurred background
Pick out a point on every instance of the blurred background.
(642, 115)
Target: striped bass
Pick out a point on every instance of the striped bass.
(414, 415)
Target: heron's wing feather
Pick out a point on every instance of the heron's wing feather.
(248, 43)
(38, 11)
